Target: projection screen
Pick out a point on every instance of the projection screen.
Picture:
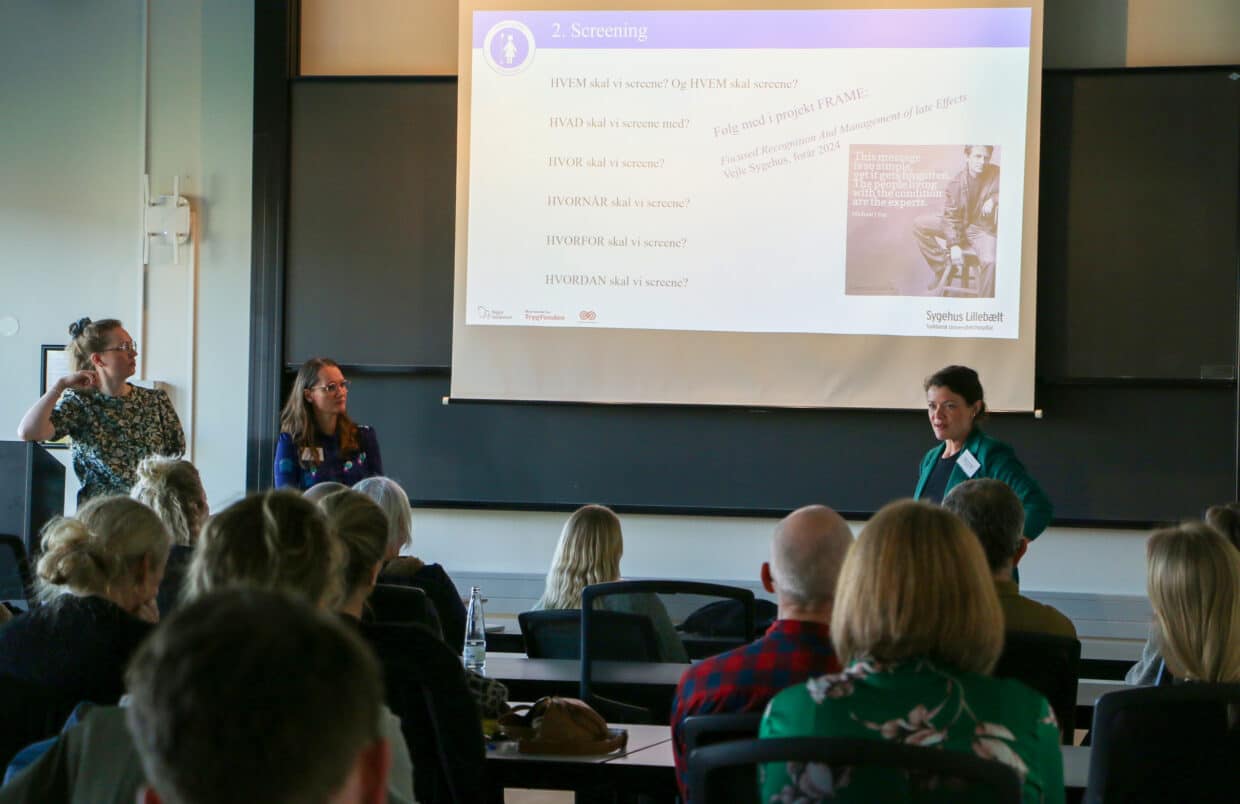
(810, 205)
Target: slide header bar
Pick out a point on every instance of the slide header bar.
(785, 30)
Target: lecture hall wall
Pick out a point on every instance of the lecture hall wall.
(70, 230)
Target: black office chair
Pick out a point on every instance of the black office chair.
(425, 687)
(389, 603)
(556, 634)
(1156, 744)
(15, 584)
(707, 784)
(1046, 663)
(698, 731)
(720, 626)
(665, 603)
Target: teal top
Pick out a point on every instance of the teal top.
(996, 460)
(915, 702)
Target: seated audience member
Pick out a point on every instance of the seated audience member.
(318, 441)
(995, 514)
(1193, 578)
(589, 552)
(239, 698)
(426, 684)
(97, 578)
(412, 571)
(172, 489)
(1150, 669)
(1225, 519)
(274, 541)
(806, 554)
(918, 626)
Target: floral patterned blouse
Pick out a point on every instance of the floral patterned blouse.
(916, 702)
(112, 434)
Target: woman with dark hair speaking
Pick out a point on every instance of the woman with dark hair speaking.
(113, 424)
(318, 441)
(955, 404)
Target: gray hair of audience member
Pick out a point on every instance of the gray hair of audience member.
(239, 697)
(320, 490)
(1193, 579)
(275, 540)
(1225, 518)
(588, 552)
(995, 515)
(362, 528)
(807, 553)
(395, 504)
(173, 489)
(100, 549)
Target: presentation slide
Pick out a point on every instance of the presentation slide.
(816, 205)
(855, 172)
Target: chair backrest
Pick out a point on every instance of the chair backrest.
(699, 731)
(1178, 743)
(702, 730)
(14, 572)
(425, 687)
(389, 603)
(1001, 782)
(1049, 664)
(556, 634)
(664, 603)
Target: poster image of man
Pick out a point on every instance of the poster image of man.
(959, 244)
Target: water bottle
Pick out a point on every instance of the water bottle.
(475, 655)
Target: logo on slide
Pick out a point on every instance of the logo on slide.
(509, 47)
(587, 315)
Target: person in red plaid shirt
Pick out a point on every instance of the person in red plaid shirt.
(806, 555)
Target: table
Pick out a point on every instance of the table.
(647, 766)
(508, 768)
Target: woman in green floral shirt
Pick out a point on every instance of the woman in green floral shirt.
(918, 624)
(113, 424)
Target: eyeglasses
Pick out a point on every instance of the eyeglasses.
(131, 347)
(332, 387)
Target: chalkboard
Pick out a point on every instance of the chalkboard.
(369, 275)
(371, 221)
(1139, 204)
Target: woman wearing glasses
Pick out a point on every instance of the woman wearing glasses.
(318, 441)
(113, 424)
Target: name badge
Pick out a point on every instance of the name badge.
(312, 454)
(967, 463)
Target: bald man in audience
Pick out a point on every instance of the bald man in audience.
(995, 514)
(806, 554)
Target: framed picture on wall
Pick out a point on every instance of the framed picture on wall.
(53, 364)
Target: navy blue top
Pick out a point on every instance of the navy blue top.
(346, 469)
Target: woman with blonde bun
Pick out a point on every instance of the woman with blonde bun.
(173, 490)
(97, 578)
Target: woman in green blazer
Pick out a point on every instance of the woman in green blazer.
(955, 404)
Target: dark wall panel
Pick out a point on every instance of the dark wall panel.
(370, 283)
(371, 221)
